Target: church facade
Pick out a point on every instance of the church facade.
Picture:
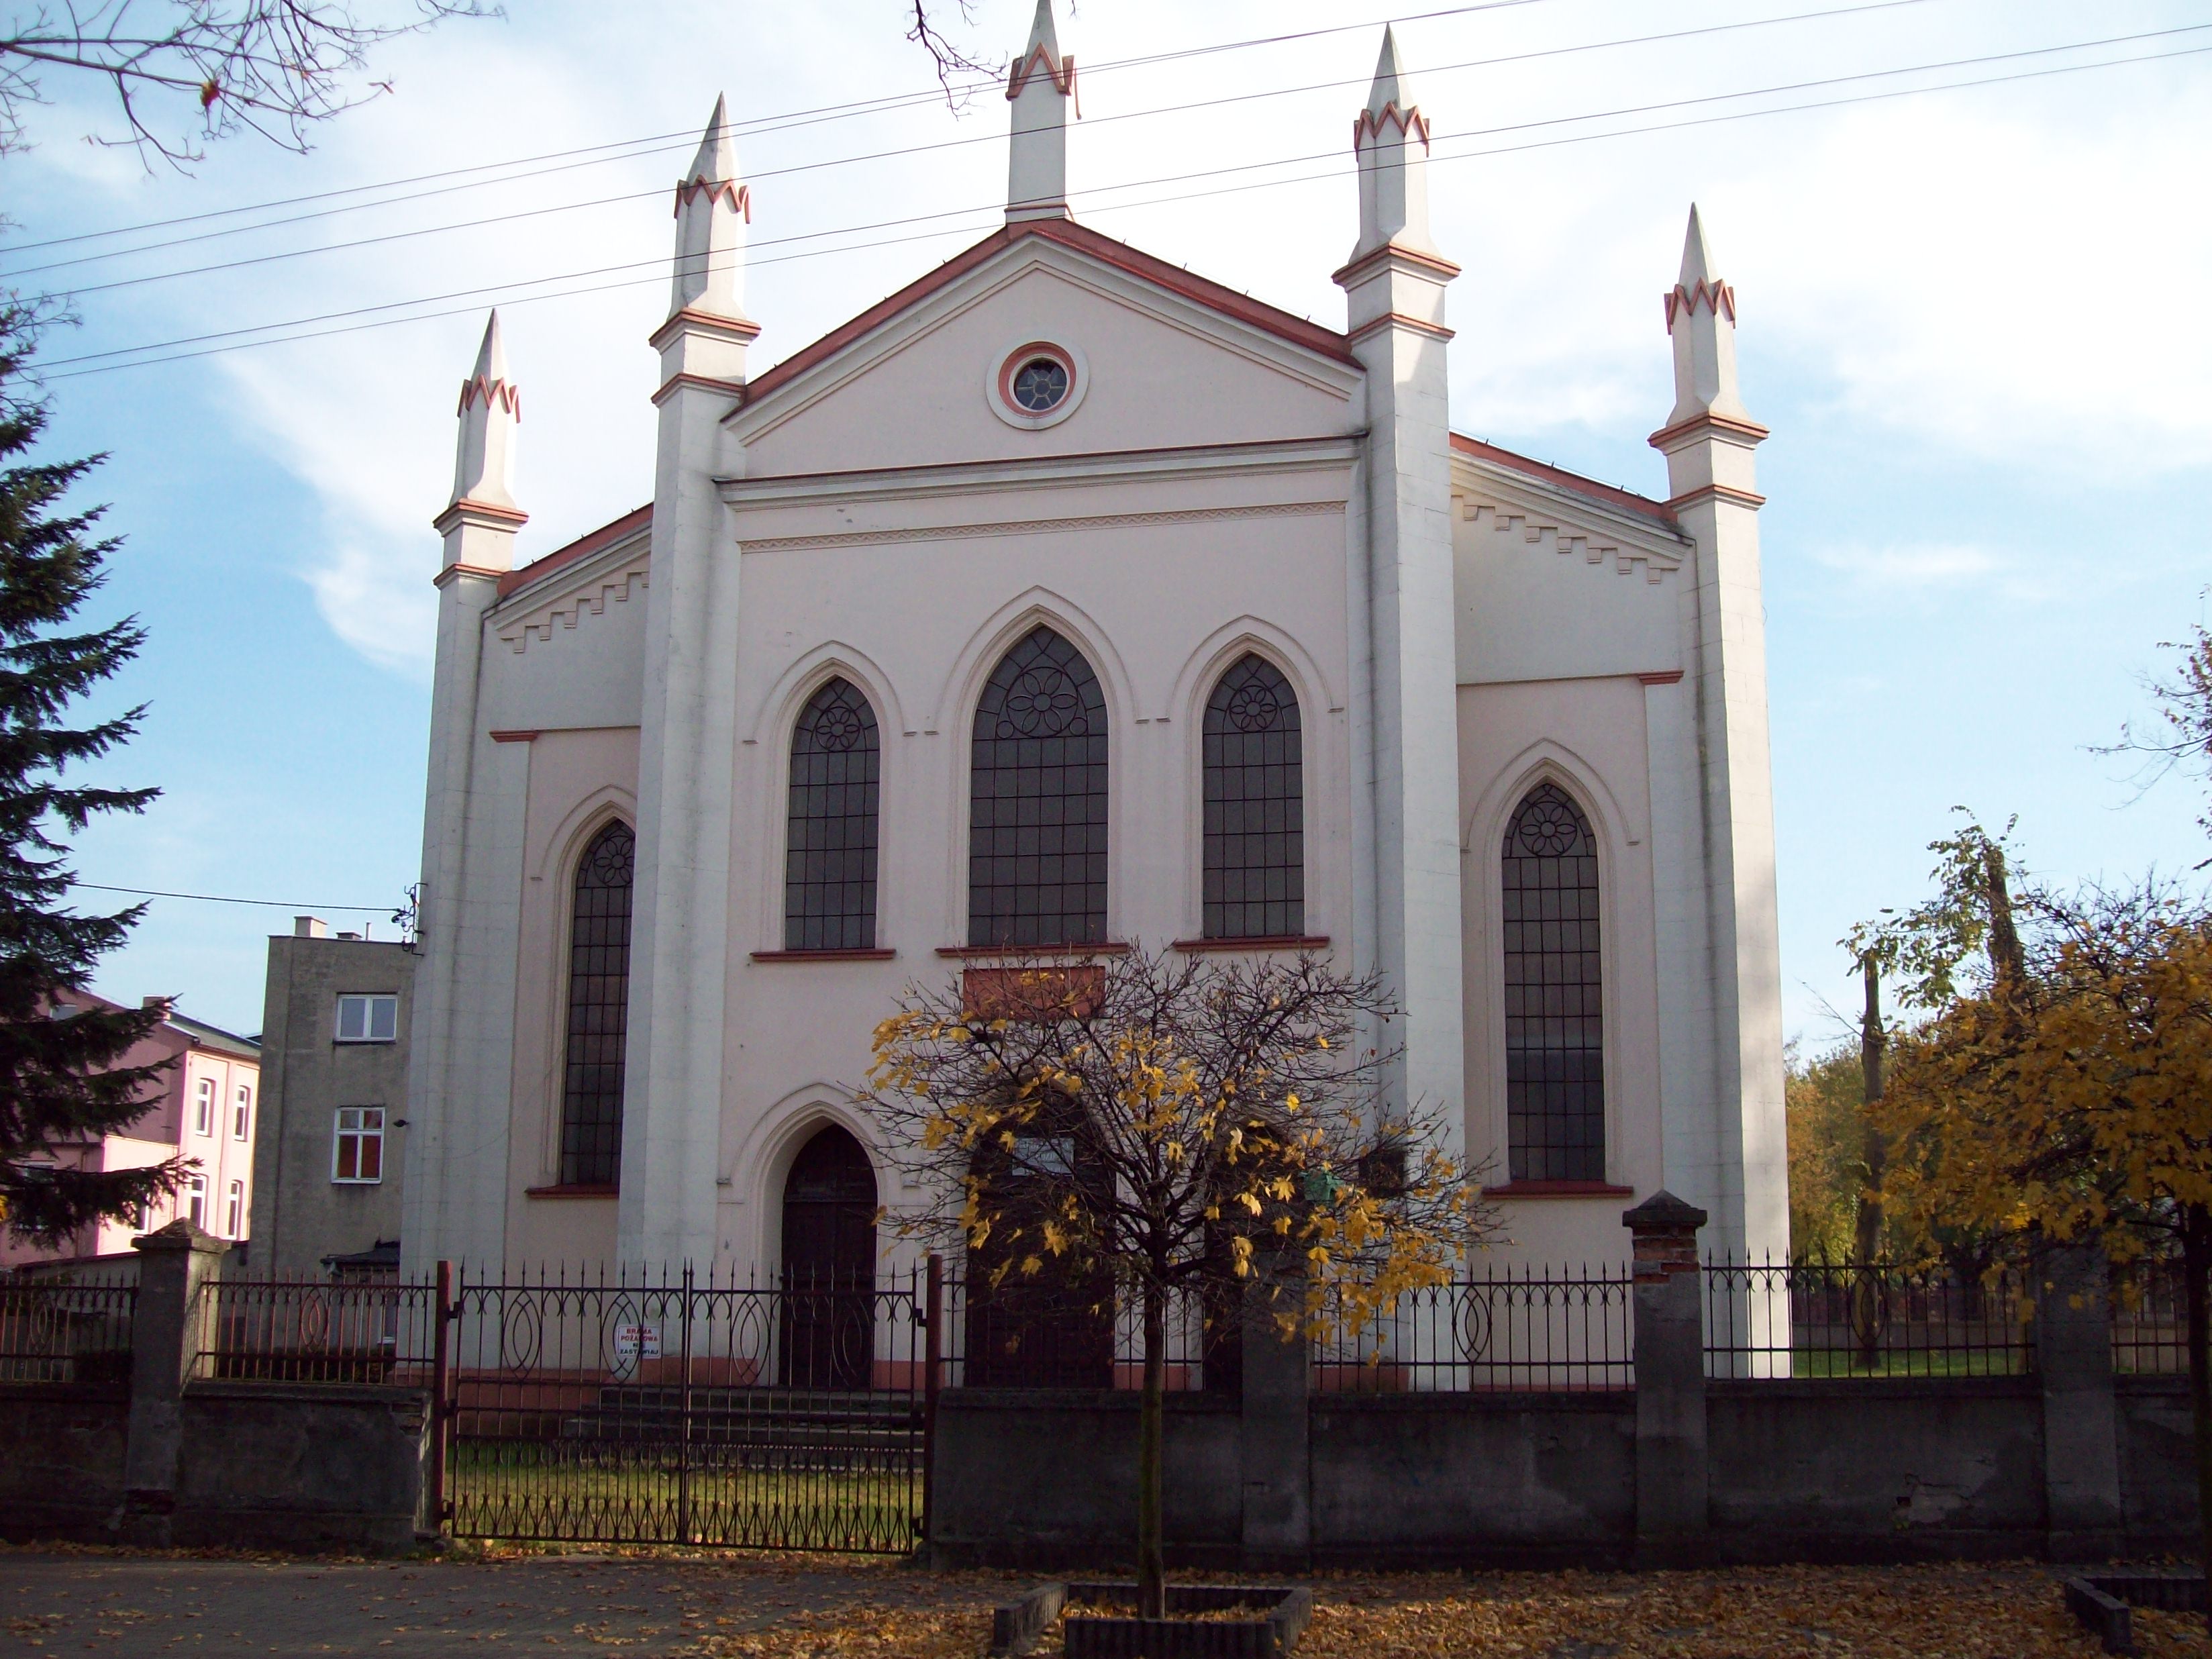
(1061, 600)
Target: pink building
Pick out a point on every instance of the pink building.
(206, 1110)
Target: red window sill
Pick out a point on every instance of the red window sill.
(1257, 942)
(870, 955)
(1015, 953)
(595, 1189)
(1558, 1189)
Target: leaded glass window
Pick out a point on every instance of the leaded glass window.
(829, 845)
(1036, 814)
(599, 1010)
(1254, 883)
(1554, 1036)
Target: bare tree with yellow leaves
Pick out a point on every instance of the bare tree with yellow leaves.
(1144, 1126)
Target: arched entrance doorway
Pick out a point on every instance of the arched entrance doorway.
(829, 1265)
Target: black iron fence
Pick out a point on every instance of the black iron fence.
(1550, 1330)
(683, 1408)
(1019, 1333)
(1817, 1318)
(315, 1331)
(66, 1328)
(2150, 1318)
(1501, 1327)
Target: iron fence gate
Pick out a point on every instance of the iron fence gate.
(794, 1415)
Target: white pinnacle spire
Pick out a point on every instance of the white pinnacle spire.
(1040, 86)
(491, 406)
(1701, 318)
(1391, 139)
(713, 207)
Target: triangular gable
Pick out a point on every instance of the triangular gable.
(1506, 493)
(1227, 301)
(607, 566)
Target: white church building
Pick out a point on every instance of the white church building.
(1066, 599)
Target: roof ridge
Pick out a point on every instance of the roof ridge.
(1068, 232)
(1579, 484)
(591, 541)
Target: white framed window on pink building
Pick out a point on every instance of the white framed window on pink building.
(357, 1148)
(241, 1121)
(204, 1107)
(233, 1211)
(196, 1199)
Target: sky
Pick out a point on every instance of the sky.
(1973, 318)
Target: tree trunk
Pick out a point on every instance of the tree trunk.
(2006, 956)
(1867, 1311)
(2196, 1271)
(1152, 1558)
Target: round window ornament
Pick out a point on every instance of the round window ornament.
(1036, 383)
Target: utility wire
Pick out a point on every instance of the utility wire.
(222, 898)
(752, 124)
(845, 160)
(660, 264)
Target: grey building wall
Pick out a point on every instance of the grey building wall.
(300, 1214)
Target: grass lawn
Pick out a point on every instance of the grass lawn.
(580, 1491)
(1848, 1361)
(2010, 1611)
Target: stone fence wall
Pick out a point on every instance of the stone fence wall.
(168, 1459)
(2067, 1461)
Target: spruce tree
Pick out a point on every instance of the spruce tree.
(62, 1081)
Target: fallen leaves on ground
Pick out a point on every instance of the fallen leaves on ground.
(2012, 1611)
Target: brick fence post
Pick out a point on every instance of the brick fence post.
(165, 1345)
(1273, 1438)
(1670, 1382)
(2080, 1418)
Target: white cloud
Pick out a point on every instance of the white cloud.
(1912, 569)
(2011, 275)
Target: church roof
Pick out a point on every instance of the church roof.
(1626, 500)
(1069, 234)
(582, 548)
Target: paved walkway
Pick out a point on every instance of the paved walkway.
(146, 1605)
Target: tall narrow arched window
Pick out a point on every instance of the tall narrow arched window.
(599, 1010)
(830, 848)
(1254, 883)
(1554, 1034)
(1036, 812)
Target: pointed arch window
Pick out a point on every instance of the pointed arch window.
(1554, 990)
(598, 1010)
(1036, 812)
(1254, 883)
(830, 848)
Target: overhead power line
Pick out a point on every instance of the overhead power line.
(755, 177)
(222, 898)
(751, 124)
(658, 265)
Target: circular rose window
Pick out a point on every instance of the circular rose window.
(1040, 383)
(1037, 384)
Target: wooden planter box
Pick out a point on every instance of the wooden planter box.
(1277, 1617)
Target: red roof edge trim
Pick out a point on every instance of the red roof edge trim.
(1174, 278)
(1611, 495)
(582, 548)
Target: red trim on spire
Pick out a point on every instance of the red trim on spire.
(501, 393)
(740, 197)
(1082, 239)
(1409, 121)
(1610, 495)
(582, 548)
(1716, 297)
(1061, 73)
